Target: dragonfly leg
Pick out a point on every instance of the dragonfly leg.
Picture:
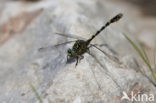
(77, 60)
(80, 58)
(88, 50)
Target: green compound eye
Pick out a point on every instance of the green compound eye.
(71, 52)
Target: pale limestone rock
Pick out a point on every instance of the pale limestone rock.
(96, 79)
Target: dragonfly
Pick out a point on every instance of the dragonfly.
(82, 46)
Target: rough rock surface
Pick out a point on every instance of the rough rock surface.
(26, 27)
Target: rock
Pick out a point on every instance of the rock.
(98, 78)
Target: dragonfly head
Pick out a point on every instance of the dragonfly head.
(71, 53)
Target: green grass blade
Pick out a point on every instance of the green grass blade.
(137, 49)
(154, 75)
(36, 93)
(155, 59)
(143, 55)
(146, 57)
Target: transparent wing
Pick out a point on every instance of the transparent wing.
(48, 48)
(109, 48)
(105, 71)
(71, 36)
(114, 58)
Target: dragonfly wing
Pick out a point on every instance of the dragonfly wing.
(71, 36)
(114, 58)
(108, 47)
(48, 48)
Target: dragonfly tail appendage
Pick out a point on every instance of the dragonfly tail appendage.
(115, 19)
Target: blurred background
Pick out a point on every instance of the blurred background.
(141, 12)
(27, 25)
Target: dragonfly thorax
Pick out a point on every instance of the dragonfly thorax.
(79, 48)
